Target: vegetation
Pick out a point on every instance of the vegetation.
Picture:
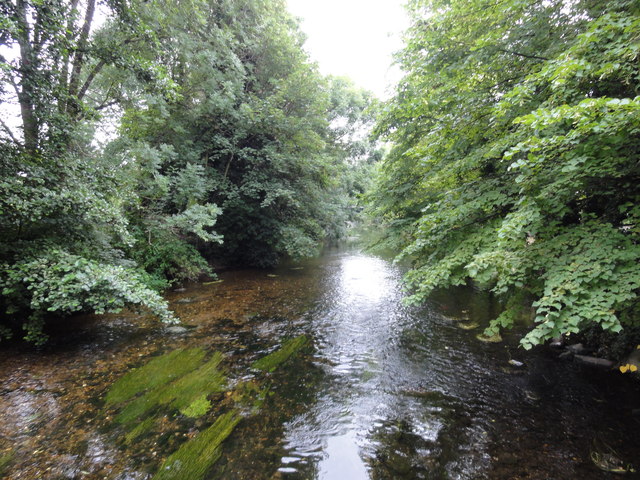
(183, 394)
(183, 381)
(157, 372)
(5, 461)
(223, 142)
(274, 359)
(195, 457)
(515, 158)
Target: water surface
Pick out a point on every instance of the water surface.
(383, 391)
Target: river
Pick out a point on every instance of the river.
(381, 391)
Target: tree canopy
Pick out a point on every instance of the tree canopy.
(225, 144)
(515, 158)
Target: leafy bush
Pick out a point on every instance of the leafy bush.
(516, 159)
(167, 257)
(60, 283)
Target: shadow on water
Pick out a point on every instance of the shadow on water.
(379, 391)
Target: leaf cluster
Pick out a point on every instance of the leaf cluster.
(515, 159)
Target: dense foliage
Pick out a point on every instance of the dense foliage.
(516, 158)
(227, 143)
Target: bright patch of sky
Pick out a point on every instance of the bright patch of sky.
(355, 39)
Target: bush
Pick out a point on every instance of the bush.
(58, 282)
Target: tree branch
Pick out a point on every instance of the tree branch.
(520, 54)
(6, 128)
(92, 74)
(78, 58)
(104, 105)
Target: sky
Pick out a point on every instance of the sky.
(354, 38)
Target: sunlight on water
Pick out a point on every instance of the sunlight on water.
(364, 278)
(353, 332)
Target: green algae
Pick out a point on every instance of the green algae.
(274, 359)
(195, 458)
(159, 371)
(180, 393)
(198, 407)
(5, 460)
(140, 429)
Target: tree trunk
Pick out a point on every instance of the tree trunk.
(26, 86)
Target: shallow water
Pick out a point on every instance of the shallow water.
(382, 392)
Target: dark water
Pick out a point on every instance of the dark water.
(383, 392)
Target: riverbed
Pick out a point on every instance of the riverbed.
(380, 391)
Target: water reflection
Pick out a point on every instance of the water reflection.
(372, 399)
(342, 458)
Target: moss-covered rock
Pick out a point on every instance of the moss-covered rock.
(497, 338)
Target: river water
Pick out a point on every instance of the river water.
(382, 391)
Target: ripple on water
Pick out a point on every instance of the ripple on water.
(389, 392)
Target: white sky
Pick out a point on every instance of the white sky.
(354, 38)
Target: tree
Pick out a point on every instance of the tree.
(515, 159)
(61, 208)
(250, 124)
(222, 123)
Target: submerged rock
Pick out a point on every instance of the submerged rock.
(177, 330)
(566, 355)
(608, 460)
(468, 325)
(186, 300)
(593, 361)
(577, 349)
(497, 338)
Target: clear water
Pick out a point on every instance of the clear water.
(384, 392)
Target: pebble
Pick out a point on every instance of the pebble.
(177, 330)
